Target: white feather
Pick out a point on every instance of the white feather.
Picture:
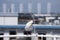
(28, 26)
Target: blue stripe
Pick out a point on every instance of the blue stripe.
(41, 27)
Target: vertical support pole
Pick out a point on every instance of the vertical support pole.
(6, 33)
(30, 7)
(19, 33)
(38, 8)
(21, 8)
(4, 8)
(47, 19)
(54, 38)
(12, 8)
(41, 38)
(34, 37)
(48, 7)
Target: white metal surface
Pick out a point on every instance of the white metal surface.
(1, 20)
(8, 20)
(11, 20)
(29, 35)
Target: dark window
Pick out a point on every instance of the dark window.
(44, 38)
(1, 38)
(27, 38)
(12, 32)
(51, 20)
(1, 33)
(27, 32)
(24, 18)
(13, 38)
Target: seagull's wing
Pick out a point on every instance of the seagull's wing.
(28, 26)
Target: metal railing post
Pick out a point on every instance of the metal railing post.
(54, 38)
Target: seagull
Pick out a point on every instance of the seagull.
(28, 26)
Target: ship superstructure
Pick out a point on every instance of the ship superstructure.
(12, 26)
(42, 16)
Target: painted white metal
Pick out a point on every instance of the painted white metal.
(6, 33)
(54, 38)
(47, 18)
(21, 8)
(58, 17)
(56, 22)
(50, 17)
(42, 15)
(1, 20)
(34, 37)
(19, 33)
(30, 36)
(11, 20)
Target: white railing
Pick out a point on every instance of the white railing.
(53, 37)
(29, 35)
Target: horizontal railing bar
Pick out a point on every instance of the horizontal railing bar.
(29, 35)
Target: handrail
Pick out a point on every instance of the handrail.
(29, 35)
